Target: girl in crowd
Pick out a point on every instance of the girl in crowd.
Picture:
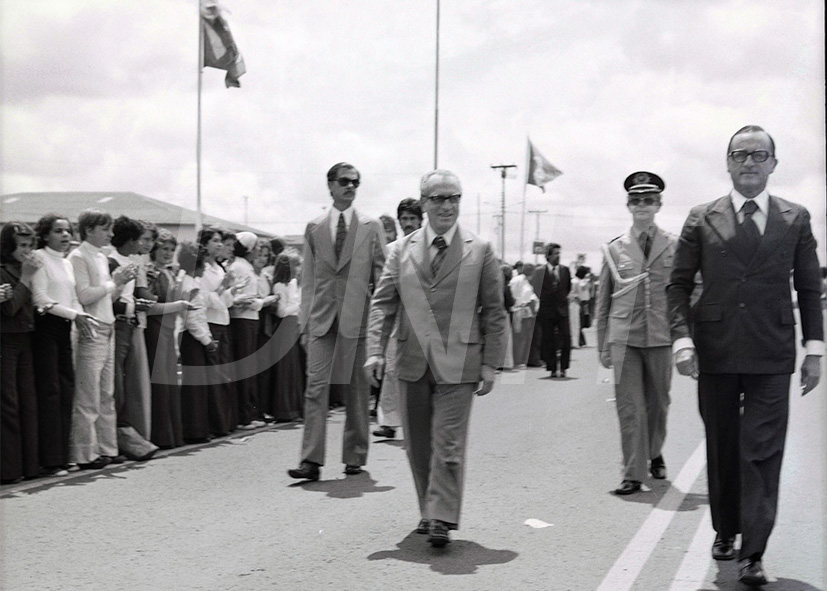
(18, 432)
(55, 296)
(199, 350)
(217, 289)
(244, 330)
(263, 267)
(290, 378)
(167, 428)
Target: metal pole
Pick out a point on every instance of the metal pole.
(246, 199)
(537, 212)
(503, 169)
(436, 94)
(198, 221)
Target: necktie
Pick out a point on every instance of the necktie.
(436, 263)
(751, 232)
(645, 243)
(341, 234)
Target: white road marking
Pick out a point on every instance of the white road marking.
(695, 565)
(627, 567)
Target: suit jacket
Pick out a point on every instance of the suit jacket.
(638, 316)
(453, 323)
(553, 294)
(340, 290)
(744, 320)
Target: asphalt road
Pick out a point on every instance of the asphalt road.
(538, 513)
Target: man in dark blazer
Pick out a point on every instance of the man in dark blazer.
(445, 285)
(552, 284)
(344, 252)
(739, 339)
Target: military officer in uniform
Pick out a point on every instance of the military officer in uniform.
(633, 330)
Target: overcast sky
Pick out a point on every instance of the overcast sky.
(101, 96)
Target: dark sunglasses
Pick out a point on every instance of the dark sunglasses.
(643, 200)
(742, 155)
(346, 182)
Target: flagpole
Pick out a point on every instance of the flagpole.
(436, 92)
(522, 221)
(198, 133)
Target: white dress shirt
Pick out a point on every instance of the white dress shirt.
(334, 221)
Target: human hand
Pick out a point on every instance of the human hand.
(5, 292)
(86, 324)
(375, 369)
(125, 274)
(686, 361)
(212, 347)
(810, 373)
(488, 375)
(606, 358)
(31, 263)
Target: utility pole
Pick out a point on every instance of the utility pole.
(503, 170)
(436, 93)
(246, 198)
(537, 212)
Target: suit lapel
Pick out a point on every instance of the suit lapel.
(779, 219)
(458, 250)
(419, 255)
(633, 251)
(355, 236)
(321, 235)
(723, 221)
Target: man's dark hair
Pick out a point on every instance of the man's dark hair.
(550, 247)
(90, 219)
(333, 173)
(277, 246)
(751, 129)
(410, 205)
(125, 229)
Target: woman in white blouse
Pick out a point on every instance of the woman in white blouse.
(55, 299)
(290, 379)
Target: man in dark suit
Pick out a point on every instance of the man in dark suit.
(739, 339)
(344, 252)
(552, 284)
(446, 286)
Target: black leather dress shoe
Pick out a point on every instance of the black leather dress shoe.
(627, 487)
(118, 459)
(305, 471)
(385, 432)
(96, 464)
(353, 469)
(658, 468)
(751, 572)
(423, 527)
(723, 547)
(438, 533)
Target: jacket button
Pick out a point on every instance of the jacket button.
(743, 279)
(723, 253)
(742, 305)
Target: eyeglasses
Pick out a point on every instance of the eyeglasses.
(346, 182)
(440, 199)
(742, 155)
(643, 200)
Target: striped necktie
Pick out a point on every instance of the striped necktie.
(436, 263)
(341, 235)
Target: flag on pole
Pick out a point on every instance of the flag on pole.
(540, 170)
(220, 50)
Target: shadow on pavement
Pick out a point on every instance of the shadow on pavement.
(653, 497)
(350, 487)
(460, 557)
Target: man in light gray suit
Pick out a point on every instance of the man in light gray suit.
(343, 256)
(446, 286)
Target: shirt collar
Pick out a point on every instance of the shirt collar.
(650, 231)
(448, 236)
(334, 215)
(55, 253)
(89, 247)
(762, 200)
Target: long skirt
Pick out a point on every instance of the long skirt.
(167, 428)
(18, 432)
(289, 375)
